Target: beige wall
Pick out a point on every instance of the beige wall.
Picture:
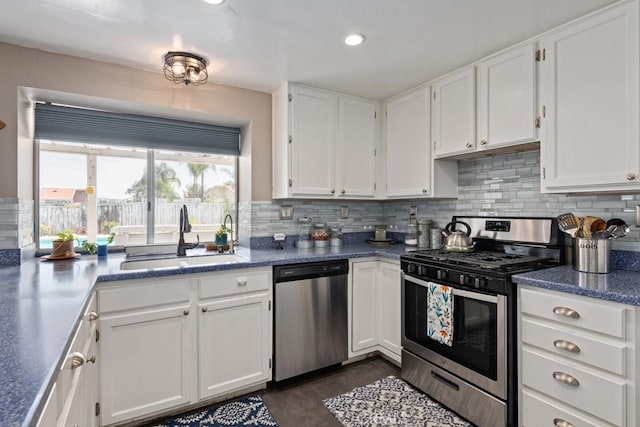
(31, 74)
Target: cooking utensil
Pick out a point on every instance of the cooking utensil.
(619, 231)
(592, 224)
(568, 223)
(604, 234)
(457, 240)
(616, 221)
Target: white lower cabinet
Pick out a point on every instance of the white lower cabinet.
(73, 398)
(234, 333)
(146, 362)
(375, 308)
(577, 360)
(168, 343)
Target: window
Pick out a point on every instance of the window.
(103, 173)
(94, 190)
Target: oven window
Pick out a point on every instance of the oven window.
(475, 324)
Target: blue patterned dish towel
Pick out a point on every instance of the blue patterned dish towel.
(440, 313)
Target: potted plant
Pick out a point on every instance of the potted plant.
(63, 244)
(102, 249)
(90, 247)
(221, 235)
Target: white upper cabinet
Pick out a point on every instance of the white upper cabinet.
(411, 169)
(589, 91)
(408, 154)
(506, 98)
(313, 130)
(317, 135)
(453, 113)
(357, 122)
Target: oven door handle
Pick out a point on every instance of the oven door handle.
(458, 292)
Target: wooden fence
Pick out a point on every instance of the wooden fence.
(74, 216)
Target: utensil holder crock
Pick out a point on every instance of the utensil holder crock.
(592, 255)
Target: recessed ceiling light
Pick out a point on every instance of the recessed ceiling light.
(354, 39)
(214, 1)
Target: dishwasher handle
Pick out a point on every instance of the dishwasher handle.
(309, 270)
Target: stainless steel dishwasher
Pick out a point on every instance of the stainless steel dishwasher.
(310, 317)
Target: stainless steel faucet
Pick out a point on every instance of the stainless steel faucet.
(185, 227)
(232, 242)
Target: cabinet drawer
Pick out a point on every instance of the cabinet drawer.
(233, 282)
(565, 342)
(538, 411)
(593, 315)
(600, 395)
(140, 294)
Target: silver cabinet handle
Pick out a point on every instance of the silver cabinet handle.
(77, 359)
(204, 309)
(424, 190)
(468, 145)
(333, 191)
(242, 282)
(93, 316)
(631, 176)
(566, 312)
(186, 312)
(566, 378)
(566, 345)
(342, 192)
(483, 142)
(559, 422)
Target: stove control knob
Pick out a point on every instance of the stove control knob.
(422, 270)
(441, 274)
(464, 279)
(411, 268)
(479, 282)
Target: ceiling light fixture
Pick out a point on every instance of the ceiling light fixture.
(214, 1)
(354, 39)
(185, 67)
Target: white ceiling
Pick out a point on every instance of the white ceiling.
(258, 44)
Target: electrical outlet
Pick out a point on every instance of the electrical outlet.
(344, 212)
(286, 212)
(279, 237)
(413, 210)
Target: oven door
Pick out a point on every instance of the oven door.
(478, 352)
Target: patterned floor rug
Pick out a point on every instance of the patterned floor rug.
(250, 411)
(390, 402)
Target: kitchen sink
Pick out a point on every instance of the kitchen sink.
(147, 264)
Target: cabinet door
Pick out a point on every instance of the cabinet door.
(146, 362)
(364, 319)
(313, 135)
(453, 115)
(589, 89)
(233, 343)
(356, 145)
(389, 306)
(506, 98)
(407, 139)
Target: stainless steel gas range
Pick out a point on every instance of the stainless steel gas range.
(458, 315)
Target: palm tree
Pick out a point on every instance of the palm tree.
(197, 170)
(166, 181)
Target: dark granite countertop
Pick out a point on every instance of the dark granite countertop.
(41, 303)
(619, 285)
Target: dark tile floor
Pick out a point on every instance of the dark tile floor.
(299, 403)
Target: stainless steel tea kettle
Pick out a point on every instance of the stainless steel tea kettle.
(457, 240)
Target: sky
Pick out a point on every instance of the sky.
(115, 174)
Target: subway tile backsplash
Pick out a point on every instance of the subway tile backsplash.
(500, 185)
